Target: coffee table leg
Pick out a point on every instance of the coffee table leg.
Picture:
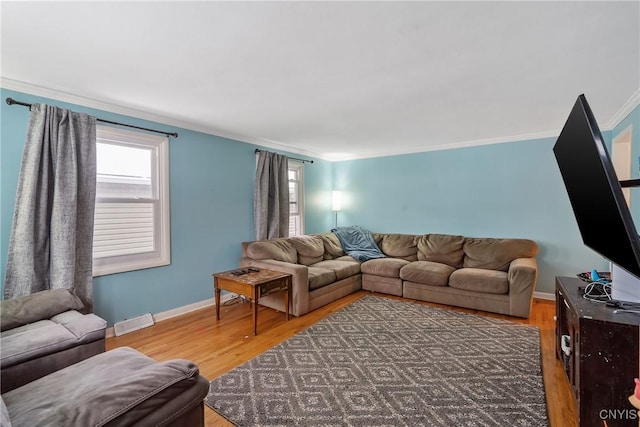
(255, 317)
(286, 296)
(217, 294)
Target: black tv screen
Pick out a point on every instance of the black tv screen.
(594, 191)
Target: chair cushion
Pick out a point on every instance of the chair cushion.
(386, 267)
(319, 277)
(32, 342)
(343, 269)
(46, 337)
(37, 306)
(427, 272)
(480, 280)
(25, 328)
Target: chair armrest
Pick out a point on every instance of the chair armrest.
(37, 306)
(4, 414)
(89, 326)
(522, 276)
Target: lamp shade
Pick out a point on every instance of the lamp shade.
(336, 200)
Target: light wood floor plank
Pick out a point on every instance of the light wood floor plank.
(219, 346)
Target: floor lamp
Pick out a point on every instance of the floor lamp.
(336, 203)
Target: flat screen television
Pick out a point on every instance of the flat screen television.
(595, 193)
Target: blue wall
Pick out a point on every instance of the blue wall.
(501, 190)
(633, 120)
(211, 190)
(318, 184)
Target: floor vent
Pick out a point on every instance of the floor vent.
(130, 325)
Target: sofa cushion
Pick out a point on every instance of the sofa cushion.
(441, 248)
(37, 306)
(343, 269)
(430, 273)
(347, 258)
(496, 254)
(386, 267)
(402, 246)
(319, 277)
(310, 249)
(480, 280)
(277, 249)
(332, 246)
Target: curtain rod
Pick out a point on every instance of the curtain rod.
(12, 101)
(292, 158)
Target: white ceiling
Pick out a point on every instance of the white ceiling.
(333, 80)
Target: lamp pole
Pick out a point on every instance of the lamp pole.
(336, 203)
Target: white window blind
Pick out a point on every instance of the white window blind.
(123, 229)
(296, 192)
(131, 228)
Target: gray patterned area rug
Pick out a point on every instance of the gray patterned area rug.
(384, 362)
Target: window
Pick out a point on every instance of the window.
(296, 202)
(131, 229)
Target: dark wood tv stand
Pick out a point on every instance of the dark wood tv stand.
(603, 359)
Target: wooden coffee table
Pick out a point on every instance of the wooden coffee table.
(254, 284)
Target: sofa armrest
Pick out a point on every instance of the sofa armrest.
(299, 280)
(522, 276)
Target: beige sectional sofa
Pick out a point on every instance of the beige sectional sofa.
(496, 275)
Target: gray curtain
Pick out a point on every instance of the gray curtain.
(52, 233)
(271, 196)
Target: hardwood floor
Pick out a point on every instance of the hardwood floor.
(218, 346)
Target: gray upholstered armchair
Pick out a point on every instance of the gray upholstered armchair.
(55, 372)
(121, 387)
(44, 332)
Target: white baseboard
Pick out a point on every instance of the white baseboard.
(178, 311)
(545, 295)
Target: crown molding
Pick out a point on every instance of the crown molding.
(37, 90)
(625, 110)
(455, 145)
